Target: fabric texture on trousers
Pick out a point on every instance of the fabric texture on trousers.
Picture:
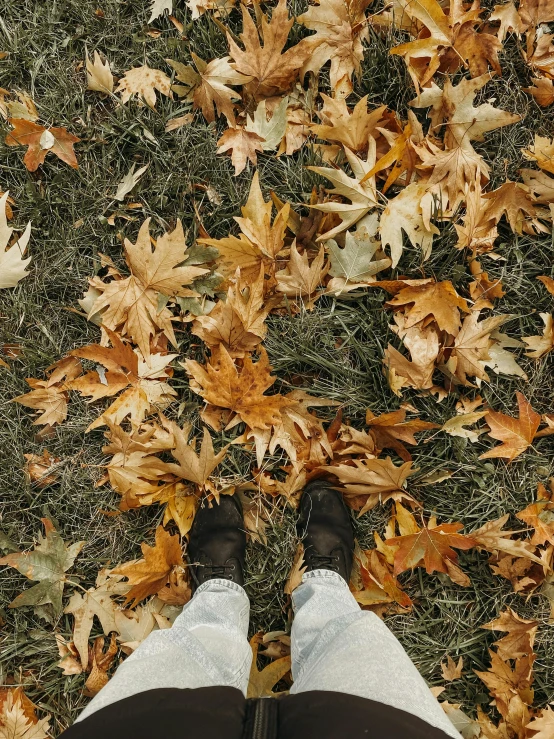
(335, 646)
(224, 713)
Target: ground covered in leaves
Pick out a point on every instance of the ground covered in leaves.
(357, 350)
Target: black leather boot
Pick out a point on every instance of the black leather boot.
(326, 530)
(217, 542)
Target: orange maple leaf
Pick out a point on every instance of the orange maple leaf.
(515, 433)
(40, 141)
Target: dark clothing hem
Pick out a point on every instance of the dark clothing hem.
(224, 713)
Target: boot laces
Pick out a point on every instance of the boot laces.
(211, 572)
(325, 562)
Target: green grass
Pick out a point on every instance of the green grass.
(46, 44)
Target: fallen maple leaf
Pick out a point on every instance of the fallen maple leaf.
(340, 27)
(100, 664)
(211, 89)
(450, 670)
(158, 8)
(47, 562)
(130, 304)
(12, 264)
(41, 468)
(260, 240)
(261, 682)
(404, 213)
(222, 384)
(18, 719)
(516, 434)
(301, 279)
(194, 467)
(50, 396)
(491, 537)
(372, 582)
(270, 130)
(238, 322)
(144, 81)
(392, 431)
(272, 70)
(99, 76)
(439, 300)
(459, 163)
(455, 426)
(540, 516)
(368, 482)
(542, 90)
(40, 141)
(149, 575)
(543, 724)
(541, 344)
(95, 602)
(520, 637)
(243, 146)
(361, 192)
(512, 200)
(430, 547)
(125, 368)
(357, 263)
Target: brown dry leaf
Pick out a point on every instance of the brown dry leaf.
(238, 322)
(194, 467)
(175, 123)
(24, 107)
(272, 71)
(451, 41)
(439, 300)
(18, 719)
(298, 568)
(260, 683)
(100, 664)
(543, 724)
(243, 146)
(368, 482)
(430, 547)
(423, 345)
(97, 601)
(260, 240)
(458, 164)
(540, 516)
(520, 635)
(542, 152)
(150, 574)
(199, 7)
(516, 434)
(483, 291)
(491, 537)
(144, 386)
(511, 691)
(223, 384)
(340, 27)
(300, 279)
(542, 90)
(349, 127)
(144, 81)
(512, 200)
(211, 89)
(41, 468)
(478, 232)
(361, 192)
(450, 670)
(509, 20)
(50, 396)
(99, 76)
(472, 345)
(40, 141)
(130, 305)
(541, 344)
(392, 431)
(372, 582)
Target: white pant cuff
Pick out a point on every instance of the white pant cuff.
(220, 582)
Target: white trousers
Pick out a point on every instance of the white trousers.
(334, 646)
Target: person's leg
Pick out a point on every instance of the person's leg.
(335, 645)
(207, 645)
